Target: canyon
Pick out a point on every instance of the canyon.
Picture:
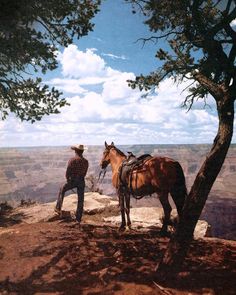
(36, 173)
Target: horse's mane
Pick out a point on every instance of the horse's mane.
(119, 151)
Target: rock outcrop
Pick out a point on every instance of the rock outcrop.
(145, 217)
(96, 204)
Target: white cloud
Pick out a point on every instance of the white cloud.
(67, 85)
(113, 111)
(113, 56)
(77, 64)
(233, 23)
(116, 88)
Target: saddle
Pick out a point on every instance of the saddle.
(126, 171)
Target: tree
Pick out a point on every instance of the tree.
(30, 33)
(202, 49)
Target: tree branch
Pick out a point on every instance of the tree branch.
(47, 29)
(226, 20)
(228, 6)
(151, 38)
(214, 89)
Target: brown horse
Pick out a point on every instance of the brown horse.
(159, 175)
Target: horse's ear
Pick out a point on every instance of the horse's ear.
(112, 143)
(106, 145)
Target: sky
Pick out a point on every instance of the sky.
(92, 74)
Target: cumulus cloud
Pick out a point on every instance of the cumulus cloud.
(77, 64)
(116, 88)
(112, 111)
(67, 85)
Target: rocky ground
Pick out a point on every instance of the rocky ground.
(41, 253)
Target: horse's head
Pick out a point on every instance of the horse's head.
(106, 155)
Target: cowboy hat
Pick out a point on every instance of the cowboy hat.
(79, 147)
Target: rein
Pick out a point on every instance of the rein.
(103, 171)
(101, 176)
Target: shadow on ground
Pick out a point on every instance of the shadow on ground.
(9, 217)
(62, 257)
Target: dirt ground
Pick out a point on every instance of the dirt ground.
(59, 257)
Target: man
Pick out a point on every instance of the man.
(75, 173)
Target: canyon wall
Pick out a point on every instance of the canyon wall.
(37, 173)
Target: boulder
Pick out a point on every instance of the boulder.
(93, 203)
(145, 217)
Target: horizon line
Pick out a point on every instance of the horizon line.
(137, 144)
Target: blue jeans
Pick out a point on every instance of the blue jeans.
(80, 185)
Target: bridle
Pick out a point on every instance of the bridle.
(103, 171)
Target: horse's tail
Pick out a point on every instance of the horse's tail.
(179, 190)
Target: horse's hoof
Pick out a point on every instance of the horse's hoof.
(164, 233)
(121, 228)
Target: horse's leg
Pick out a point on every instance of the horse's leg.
(122, 211)
(178, 198)
(178, 190)
(163, 196)
(127, 209)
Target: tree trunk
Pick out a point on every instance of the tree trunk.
(196, 199)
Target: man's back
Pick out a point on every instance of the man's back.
(76, 170)
(77, 167)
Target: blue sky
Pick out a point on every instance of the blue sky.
(92, 73)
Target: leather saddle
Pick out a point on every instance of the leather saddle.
(131, 163)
